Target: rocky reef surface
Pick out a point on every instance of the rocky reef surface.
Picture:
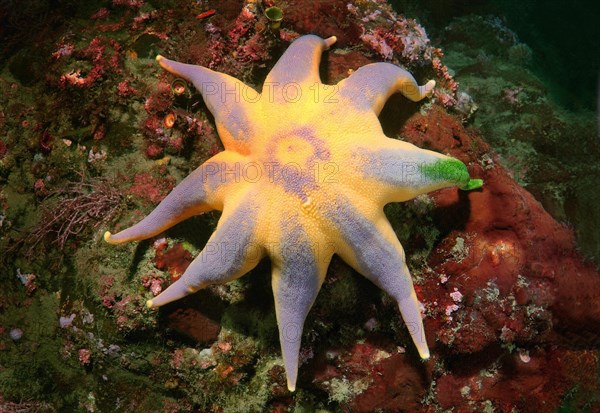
(93, 134)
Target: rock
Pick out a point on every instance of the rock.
(197, 317)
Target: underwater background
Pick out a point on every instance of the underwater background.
(93, 135)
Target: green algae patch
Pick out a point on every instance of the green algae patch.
(472, 184)
(451, 170)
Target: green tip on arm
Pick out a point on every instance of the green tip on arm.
(473, 184)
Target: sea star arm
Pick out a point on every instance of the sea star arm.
(227, 98)
(370, 246)
(229, 253)
(370, 86)
(399, 171)
(299, 268)
(299, 63)
(196, 194)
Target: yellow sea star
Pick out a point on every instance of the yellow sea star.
(305, 174)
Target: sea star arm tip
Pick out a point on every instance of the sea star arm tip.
(370, 86)
(403, 171)
(201, 191)
(227, 98)
(371, 247)
(229, 253)
(298, 274)
(294, 294)
(410, 309)
(191, 197)
(174, 292)
(426, 90)
(106, 237)
(299, 64)
(330, 41)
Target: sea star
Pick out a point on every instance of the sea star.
(305, 174)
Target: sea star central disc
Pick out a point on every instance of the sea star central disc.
(305, 174)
